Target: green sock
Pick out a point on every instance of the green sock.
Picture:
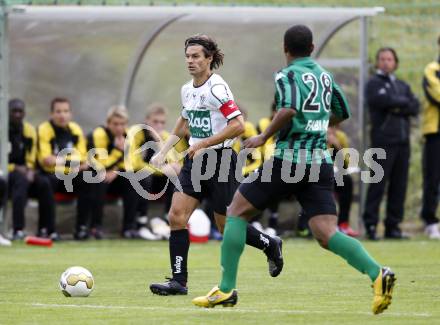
(354, 253)
(234, 239)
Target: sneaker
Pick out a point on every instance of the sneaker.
(42, 233)
(4, 241)
(345, 228)
(216, 297)
(18, 235)
(275, 258)
(54, 236)
(383, 290)
(97, 233)
(215, 235)
(395, 233)
(145, 233)
(142, 221)
(160, 228)
(170, 287)
(432, 231)
(371, 232)
(130, 234)
(81, 234)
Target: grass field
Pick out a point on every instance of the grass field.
(314, 288)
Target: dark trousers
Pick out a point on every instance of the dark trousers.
(3, 187)
(119, 186)
(431, 178)
(344, 196)
(155, 184)
(395, 166)
(40, 188)
(79, 188)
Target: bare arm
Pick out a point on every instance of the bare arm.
(334, 120)
(282, 117)
(179, 131)
(234, 128)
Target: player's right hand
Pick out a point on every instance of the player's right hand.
(254, 142)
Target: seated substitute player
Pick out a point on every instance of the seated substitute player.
(214, 120)
(155, 118)
(111, 140)
(54, 136)
(306, 95)
(22, 178)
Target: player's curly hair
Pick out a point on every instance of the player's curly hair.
(210, 48)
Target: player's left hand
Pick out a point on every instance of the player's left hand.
(196, 149)
(254, 142)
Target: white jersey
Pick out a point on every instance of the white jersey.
(208, 108)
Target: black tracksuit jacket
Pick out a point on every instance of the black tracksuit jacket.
(390, 103)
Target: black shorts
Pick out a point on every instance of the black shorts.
(220, 187)
(316, 197)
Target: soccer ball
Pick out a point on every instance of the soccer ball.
(76, 281)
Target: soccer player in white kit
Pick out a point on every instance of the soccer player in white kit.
(214, 121)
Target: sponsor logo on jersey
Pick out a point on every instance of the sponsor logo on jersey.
(317, 125)
(200, 123)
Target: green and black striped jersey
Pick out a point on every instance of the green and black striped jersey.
(311, 91)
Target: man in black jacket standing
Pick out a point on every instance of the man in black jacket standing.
(391, 103)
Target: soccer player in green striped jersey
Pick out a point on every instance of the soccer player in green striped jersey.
(307, 100)
(309, 90)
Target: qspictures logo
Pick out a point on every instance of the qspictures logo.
(210, 162)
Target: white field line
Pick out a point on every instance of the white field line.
(222, 310)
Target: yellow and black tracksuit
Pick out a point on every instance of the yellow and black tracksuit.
(156, 182)
(431, 152)
(344, 192)
(52, 140)
(109, 159)
(253, 161)
(22, 158)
